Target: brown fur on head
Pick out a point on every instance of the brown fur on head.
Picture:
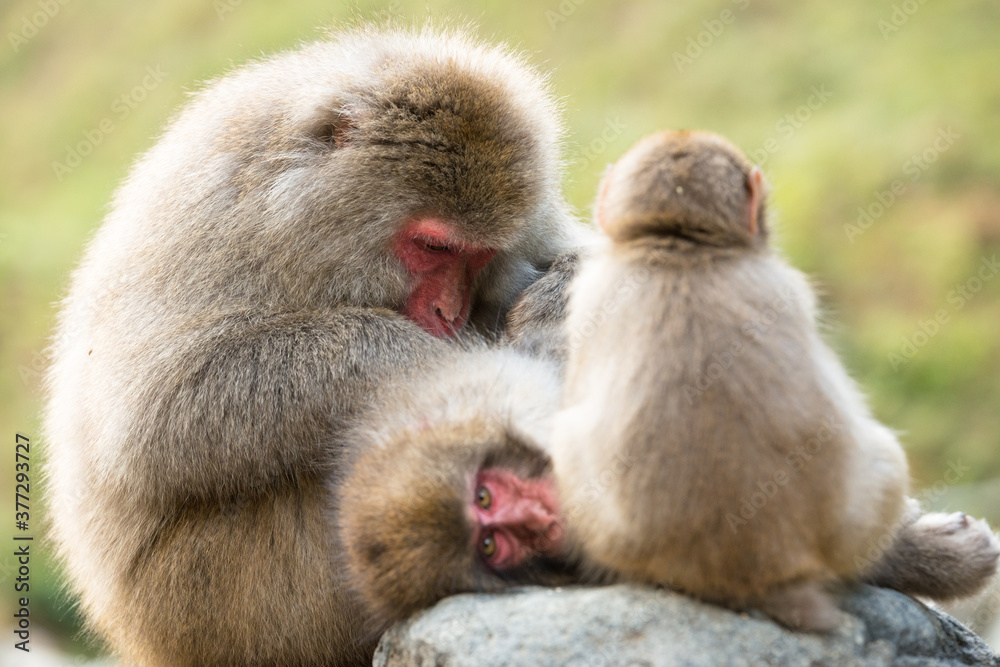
(332, 148)
(404, 514)
(692, 186)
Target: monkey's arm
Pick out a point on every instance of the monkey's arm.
(249, 402)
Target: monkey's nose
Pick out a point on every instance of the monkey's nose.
(451, 309)
(449, 322)
(446, 314)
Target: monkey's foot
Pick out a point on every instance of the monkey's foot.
(806, 606)
(940, 556)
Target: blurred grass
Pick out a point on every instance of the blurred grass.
(614, 66)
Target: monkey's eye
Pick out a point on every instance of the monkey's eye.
(488, 546)
(435, 247)
(483, 497)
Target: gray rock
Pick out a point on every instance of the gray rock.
(633, 625)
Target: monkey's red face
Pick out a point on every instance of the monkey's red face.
(515, 518)
(441, 270)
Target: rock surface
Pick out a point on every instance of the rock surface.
(631, 625)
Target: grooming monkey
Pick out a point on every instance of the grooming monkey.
(306, 229)
(687, 221)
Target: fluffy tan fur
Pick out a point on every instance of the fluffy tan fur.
(707, 381)
(238, 307)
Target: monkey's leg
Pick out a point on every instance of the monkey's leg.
(938, 556)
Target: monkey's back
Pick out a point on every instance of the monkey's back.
(720, 463)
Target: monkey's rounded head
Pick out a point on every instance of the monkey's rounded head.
(693, 187)
(406, 520)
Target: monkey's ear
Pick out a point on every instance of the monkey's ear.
(755, 190)
(334, 127)
(599, 209)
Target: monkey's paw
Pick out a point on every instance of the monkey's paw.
(940, 556)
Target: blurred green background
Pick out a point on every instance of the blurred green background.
(877, 123)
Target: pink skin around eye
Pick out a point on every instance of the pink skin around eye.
(522, 517)
(441, 270)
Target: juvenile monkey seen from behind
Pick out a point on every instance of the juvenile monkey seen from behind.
(687, 220)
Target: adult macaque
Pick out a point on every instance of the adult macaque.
(307, 227)
(687, 220)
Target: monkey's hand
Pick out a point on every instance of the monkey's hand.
(534, 324)
(940, 556)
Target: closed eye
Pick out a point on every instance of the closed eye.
(436, 247)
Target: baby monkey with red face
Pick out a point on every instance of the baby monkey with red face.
(449, 489)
